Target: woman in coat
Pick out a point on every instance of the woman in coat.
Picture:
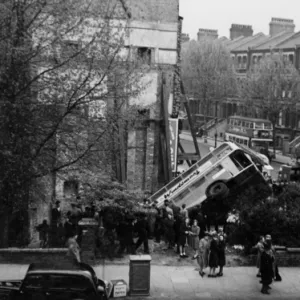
(221, 255)
(169, 231)
(203, 251)
(194, 238)
(260, 248)
(213, 255)
(185, 230)
(266, 268)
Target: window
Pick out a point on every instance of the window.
(70, 188)
(243, 124)
(291, 58)
(144, 54)
(251, 125)
(240, 160)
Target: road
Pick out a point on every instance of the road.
(204, 149)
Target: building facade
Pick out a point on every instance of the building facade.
(247, 49)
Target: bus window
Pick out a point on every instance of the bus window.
(247, 124)
(251, 125)
(240, 160)
(258, 125)
(245, 142)
(243, 124)
(267, 126)
(197, 184)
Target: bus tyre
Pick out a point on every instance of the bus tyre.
(217, 189)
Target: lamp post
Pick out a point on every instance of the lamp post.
(216, 133)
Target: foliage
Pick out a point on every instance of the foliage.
(207, 71)
(65, 81)
(278, 217)
(271, 87)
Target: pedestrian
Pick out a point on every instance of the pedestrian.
(69, 227)
(169, 231)
(167, 209)
(184, 212)
(213, 255)
(43, 230)
(277, 276)
(203, 252)
(158, 227)
(185, 230)
(266, 267)
(260, 248)
(177, 224)
(126, 235)
(221, 254)
(55, 220)
(152, 213)
(141, 227)
(73, 253)
(194, 238)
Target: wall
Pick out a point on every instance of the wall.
(154, 10)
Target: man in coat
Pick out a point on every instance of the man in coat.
(141, 227)
(266, 267)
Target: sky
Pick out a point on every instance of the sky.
(220, 14)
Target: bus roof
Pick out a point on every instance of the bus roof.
(249, 119)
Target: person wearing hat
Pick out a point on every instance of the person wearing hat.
(260, 248)
(203, 251)
(55, 220)
(277, 276)
(266, 266)
(213, 255)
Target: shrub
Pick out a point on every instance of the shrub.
(278, 217)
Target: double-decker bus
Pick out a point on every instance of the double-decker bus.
(228, 171)
(256, 134)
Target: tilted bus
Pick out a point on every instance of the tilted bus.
(226, 171)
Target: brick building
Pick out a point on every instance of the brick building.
(153, 33)
(247, 49)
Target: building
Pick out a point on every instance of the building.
(153, 35)
(247, 49)
(207, 34)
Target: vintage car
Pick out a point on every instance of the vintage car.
(59, 282)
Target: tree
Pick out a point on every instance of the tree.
(272, 87)
(65, 79)
(207, 72)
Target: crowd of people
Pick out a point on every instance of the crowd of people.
(57, 233)
(178, 227)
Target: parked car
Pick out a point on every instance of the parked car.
(57, 283)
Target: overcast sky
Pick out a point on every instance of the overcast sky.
(220, 14)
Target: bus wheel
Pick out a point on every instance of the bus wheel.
(216, 189)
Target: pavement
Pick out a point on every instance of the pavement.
(281, 159)
(171, 282)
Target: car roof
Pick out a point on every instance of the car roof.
(61, 268)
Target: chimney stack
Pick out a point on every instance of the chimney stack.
(238, 30)
(185, 37)
(278, 25)
(207, 34)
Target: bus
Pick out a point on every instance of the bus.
(226, 171)
(256, 134)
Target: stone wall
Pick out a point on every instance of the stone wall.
(28, 256)
(285, 257)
